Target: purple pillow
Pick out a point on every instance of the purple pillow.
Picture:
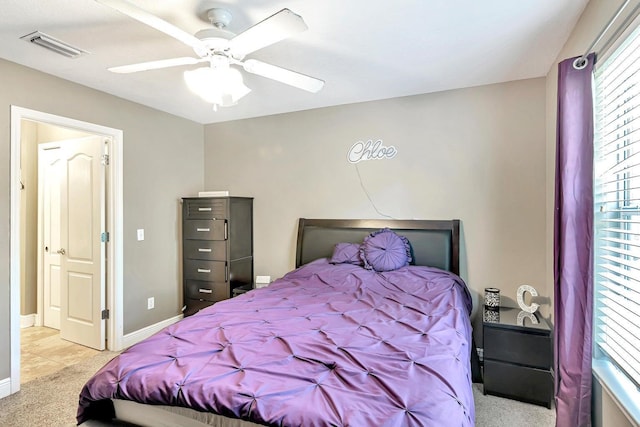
(346, 253)
(384, 250)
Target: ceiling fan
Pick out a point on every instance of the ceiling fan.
(219, 83)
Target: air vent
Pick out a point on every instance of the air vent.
(53, 44)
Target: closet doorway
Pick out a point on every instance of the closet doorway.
(84, 275)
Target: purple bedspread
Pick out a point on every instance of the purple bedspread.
(325, 345)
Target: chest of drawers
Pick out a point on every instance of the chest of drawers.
(217, 249)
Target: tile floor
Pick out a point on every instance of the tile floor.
(43, 352)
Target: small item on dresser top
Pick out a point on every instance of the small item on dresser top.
(224, 193)
(520, 298)
(492, 298)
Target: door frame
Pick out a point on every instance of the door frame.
(114, 224)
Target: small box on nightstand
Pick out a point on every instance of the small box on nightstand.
(262, 281)
(518, 357)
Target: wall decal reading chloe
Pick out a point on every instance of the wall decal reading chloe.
(370, 150)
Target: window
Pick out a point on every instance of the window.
(617, 210)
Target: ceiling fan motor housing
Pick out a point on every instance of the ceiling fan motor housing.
(219, 17)
(216, 39)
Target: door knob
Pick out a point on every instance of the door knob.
(61, 251)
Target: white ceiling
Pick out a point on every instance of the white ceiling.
(364, 49)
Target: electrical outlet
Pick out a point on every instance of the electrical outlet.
(480, 354)
(151, 302)
(140, 234)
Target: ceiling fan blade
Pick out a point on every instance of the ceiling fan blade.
(154, 65)
(153, 21)
(277, 27)
(292, 78)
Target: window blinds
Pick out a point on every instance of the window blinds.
(617, 209)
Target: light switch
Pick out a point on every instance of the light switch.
(140, 234)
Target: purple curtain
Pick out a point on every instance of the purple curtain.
(573, 245)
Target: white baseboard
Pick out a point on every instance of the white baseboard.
(5, 387)
(27, 320)
(135, 337)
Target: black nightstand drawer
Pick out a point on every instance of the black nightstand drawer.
(523, 383)
(212, 271)
(213, 250)
(208, 291)
(519, 347)
(201, 229)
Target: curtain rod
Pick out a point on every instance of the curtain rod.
(582, 61)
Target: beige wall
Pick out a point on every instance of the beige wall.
(32, 134)
(28, 254)
(162, 162)
(592, 21)
(475, 154)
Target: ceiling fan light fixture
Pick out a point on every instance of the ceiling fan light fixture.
(221, 85)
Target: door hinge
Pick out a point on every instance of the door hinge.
(105, 314)
(105, 159)
(104, 237)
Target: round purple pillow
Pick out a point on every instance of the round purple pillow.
(384, 250)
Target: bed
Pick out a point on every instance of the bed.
(332, 342)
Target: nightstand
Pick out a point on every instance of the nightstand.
(241, 290)
(518, 358)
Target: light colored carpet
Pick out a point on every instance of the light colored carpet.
(53, 400)
(492, 411)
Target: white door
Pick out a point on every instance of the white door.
(49, 173)
(75, 245)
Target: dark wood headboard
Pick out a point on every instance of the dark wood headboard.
(434, 243)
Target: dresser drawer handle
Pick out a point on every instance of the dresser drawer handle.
(204, 209)
(204, 249)
(204, 270)
(205, 230)
(205, 291)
